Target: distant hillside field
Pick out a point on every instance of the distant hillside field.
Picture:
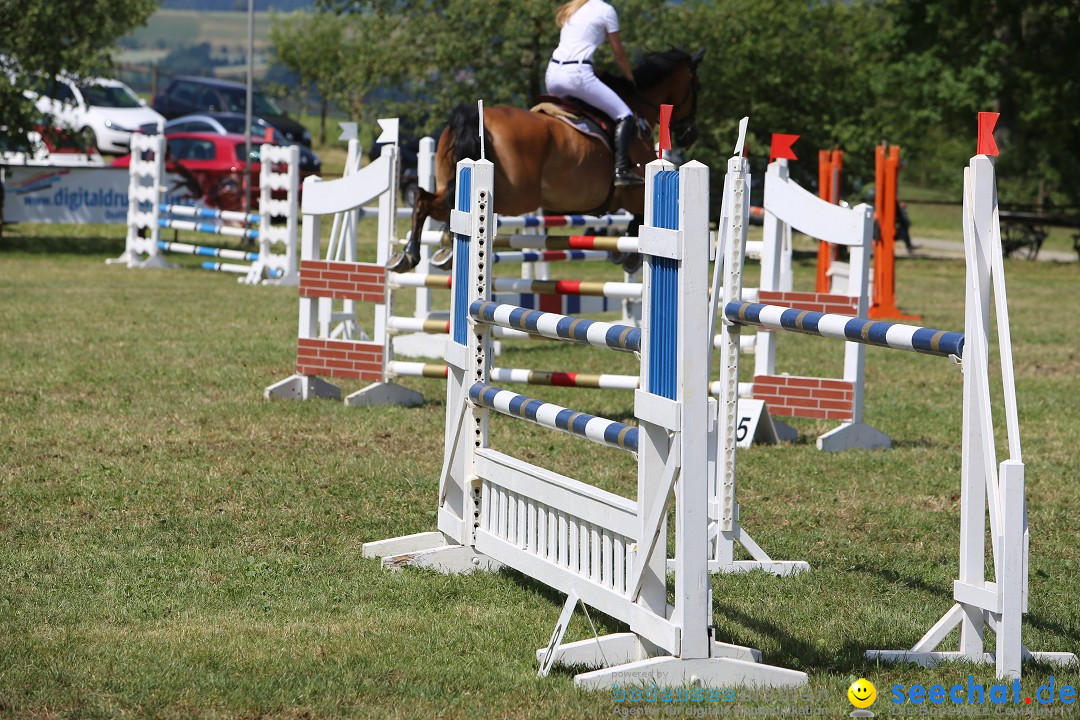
(170, 29)
(238, 5)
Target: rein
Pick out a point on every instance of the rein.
(681, 126)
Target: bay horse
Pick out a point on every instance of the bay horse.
(543, 162)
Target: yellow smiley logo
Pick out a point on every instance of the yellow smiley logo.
(862, 693)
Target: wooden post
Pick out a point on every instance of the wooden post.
(830, 166)
(886, 175)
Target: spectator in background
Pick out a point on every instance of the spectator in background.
(903, 225)
(903, 222)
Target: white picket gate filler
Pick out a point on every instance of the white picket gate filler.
(607, 551)
(991, 494)
(277, 218)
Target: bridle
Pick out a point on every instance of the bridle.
(684, 130)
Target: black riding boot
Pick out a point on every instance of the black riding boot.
(624, 133)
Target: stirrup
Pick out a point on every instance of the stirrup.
(625, 177)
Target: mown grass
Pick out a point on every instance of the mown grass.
(175, 547)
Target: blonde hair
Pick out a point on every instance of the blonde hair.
(563, 14)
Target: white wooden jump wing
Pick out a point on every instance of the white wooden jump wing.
(992, 494)
(337, 197)
(788, 205)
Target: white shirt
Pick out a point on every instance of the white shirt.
(586, 30)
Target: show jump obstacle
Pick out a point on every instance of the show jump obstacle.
(990, 493)
(608, 551)
(275, 223)
(789, 207)
(324, 281)
(322, 352)
(426, 332)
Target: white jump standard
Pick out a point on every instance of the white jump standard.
(276, 222)
(998, 603)
(608, 551)
(990, 492)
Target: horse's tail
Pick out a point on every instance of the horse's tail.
(465, 127)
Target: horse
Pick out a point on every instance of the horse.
(541, 161)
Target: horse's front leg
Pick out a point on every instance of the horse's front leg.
(427, 205)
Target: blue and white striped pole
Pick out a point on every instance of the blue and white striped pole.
(188, 249)
(557, 327)
(192, 226)
(621, 220)
(208, 213)
(843, 327)
(599, 430)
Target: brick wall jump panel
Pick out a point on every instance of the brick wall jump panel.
(363, 282)
(815, 302)
(339, 358)
(808, 397)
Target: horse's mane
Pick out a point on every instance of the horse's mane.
(653, 69)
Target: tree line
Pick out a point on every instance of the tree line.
(843, 73)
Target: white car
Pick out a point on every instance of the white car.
(104, 111)
(54, 151)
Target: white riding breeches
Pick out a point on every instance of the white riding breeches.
(579, 81)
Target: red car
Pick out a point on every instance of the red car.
(215, 163)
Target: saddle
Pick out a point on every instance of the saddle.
(579, 115)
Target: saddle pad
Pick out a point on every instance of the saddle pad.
(585, 126)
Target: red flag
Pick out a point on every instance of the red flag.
(665, 128)
(780, 149)
(986, 144)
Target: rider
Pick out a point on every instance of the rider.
(584, 26)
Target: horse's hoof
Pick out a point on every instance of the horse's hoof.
(616, 257)
(401, 262)
(631, 263)
(443, 259)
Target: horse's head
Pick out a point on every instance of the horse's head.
(671, 78)
(684, 126)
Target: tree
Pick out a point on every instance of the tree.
(43, 39)
(344, 57)
(949, 59)
(791, 67)
(837, 72)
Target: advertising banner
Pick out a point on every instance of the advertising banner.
(77, 195)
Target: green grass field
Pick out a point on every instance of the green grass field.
(175, 547)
